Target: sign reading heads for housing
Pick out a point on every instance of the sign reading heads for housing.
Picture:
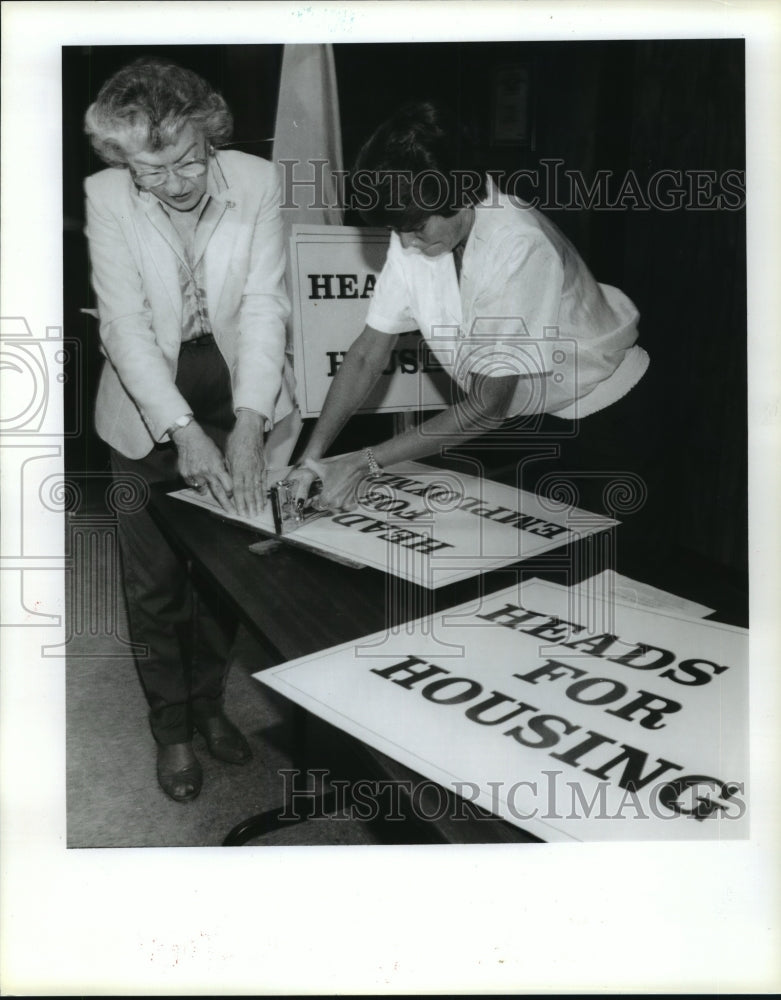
(635, 728)
(333, 273)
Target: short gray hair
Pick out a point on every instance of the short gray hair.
(145, 105)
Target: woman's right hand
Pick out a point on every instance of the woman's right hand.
(302, 478)
(202, 466)
(341, 476)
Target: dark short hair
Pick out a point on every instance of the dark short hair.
(418, 163)
(145, 105)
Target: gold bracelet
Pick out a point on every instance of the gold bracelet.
(374, 466)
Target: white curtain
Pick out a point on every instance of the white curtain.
(308, 129)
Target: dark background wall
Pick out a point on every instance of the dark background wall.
(618, 106)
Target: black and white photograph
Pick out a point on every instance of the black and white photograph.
(388, 454)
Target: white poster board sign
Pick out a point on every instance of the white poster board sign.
(333, 273)
(435, 527)
(639, 733)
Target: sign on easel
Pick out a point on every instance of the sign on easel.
(333, 274)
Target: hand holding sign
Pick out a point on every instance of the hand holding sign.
(201, 464)
(246, 463)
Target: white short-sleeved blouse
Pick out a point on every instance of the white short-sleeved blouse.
(527, 304)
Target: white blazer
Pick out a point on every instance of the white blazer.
(133, 252)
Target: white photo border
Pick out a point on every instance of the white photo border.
(586, 918)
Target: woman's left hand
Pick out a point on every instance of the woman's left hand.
(246, 463)
(341, 477)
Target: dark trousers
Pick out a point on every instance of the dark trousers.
(616, 463)
(186, 633)
(616, 455)
(612, 462)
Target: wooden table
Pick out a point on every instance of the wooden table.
(294, 603)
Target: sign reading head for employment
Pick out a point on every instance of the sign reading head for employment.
(433, 526)
(333, 273)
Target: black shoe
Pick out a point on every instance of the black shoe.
(223, 739)
(178, 771)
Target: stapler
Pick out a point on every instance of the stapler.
(288, 514)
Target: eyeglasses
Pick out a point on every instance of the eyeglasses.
(154, 178)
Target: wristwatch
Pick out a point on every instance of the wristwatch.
(179, 423)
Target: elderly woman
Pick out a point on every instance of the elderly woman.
(188, 267)
(501, 297)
